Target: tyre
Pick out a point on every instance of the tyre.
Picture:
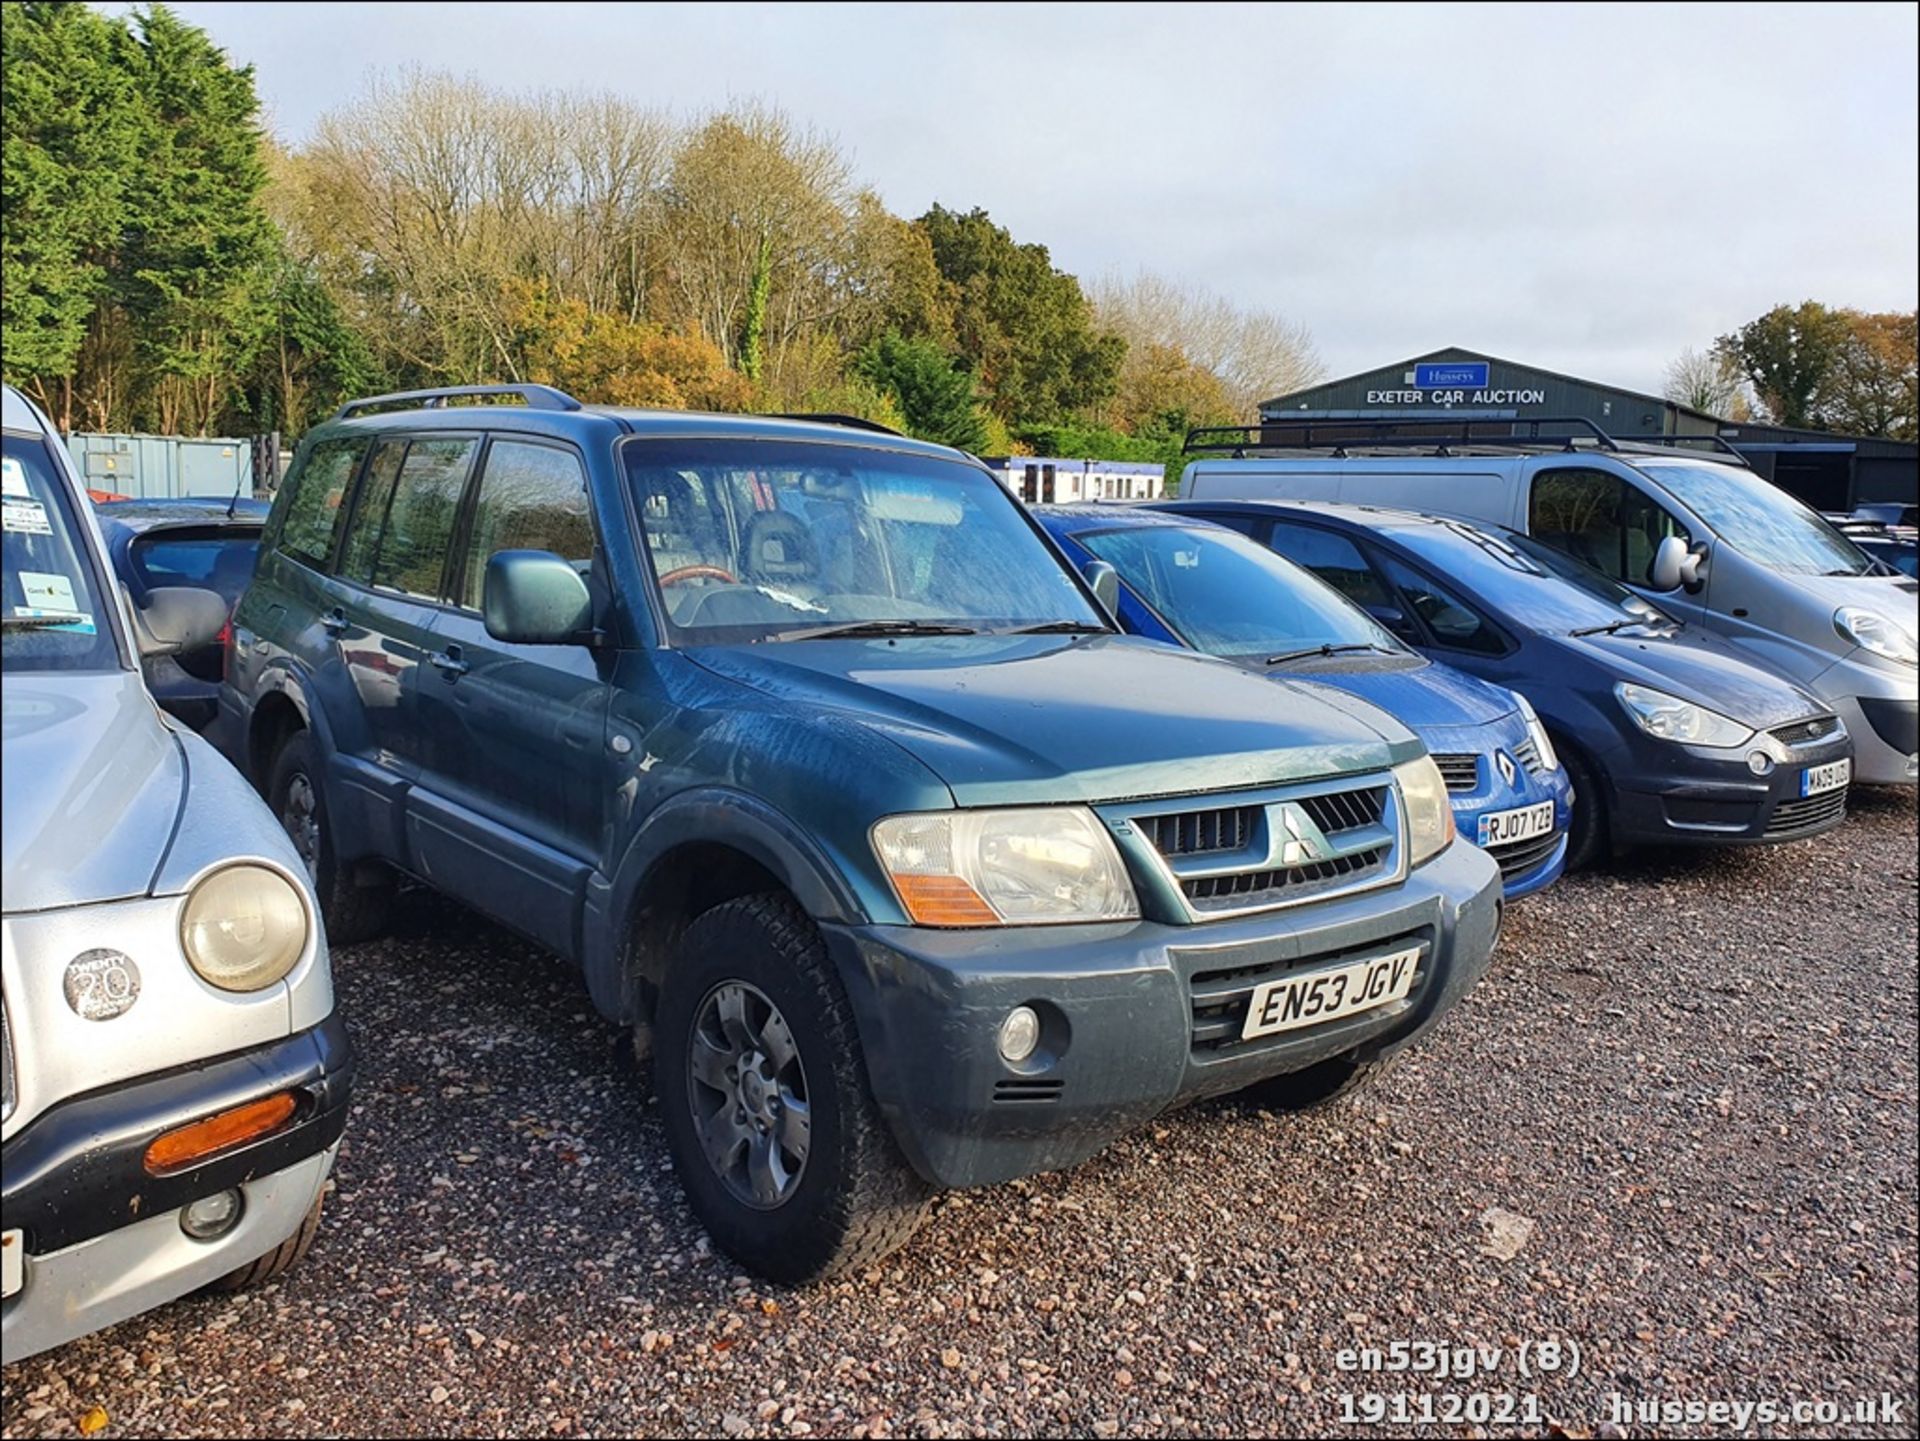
(776, 1138)
(355, 900)
(1588, 839)
(1325, 1083)
(277, 1262)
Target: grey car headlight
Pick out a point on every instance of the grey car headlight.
(1549, 758)
(1032, 866)
(244, 927)
(1423, 791)
(1873, 632)
(1669, 718)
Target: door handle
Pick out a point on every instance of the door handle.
(448, 662)
(335, 621)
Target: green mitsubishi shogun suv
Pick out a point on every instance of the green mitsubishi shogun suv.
(840, 787)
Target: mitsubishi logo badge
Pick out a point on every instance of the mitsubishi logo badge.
(1306, 842)
(1507, 768)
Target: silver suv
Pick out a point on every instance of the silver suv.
(176, 1079)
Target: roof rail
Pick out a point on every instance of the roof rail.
(536, 397)
(1441, 433)
(852, 422)
(1676, 442)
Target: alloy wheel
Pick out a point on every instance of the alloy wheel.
(748, 1091)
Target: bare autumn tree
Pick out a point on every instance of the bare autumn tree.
(758, 232)
(1256, 354)
(429, 196)
(1708, 381)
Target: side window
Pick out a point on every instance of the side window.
(317, 500)
(370, 510)
(532, 497)
(1453, 622)
(1254, 527)
(1600, 520)
(426, 498)
(1333, 558)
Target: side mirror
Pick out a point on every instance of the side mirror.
(533, 597)
(1104, 581)
(1672, 562)
(1393, 618)
(178, 618)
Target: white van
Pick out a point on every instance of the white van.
(1716, 544)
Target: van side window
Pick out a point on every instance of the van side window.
(316, 499)
(532, 497)
(1600, 520)
(1454, 623)
(370, 510)
(1333, 558)
(419, 529)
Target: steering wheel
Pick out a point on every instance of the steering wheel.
(696, 572)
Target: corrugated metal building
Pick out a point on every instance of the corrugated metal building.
(1828, 471)
(163, 465)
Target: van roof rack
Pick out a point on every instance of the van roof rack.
(1442, 434)
(1680, 442)
(852, 422)
(534, 397)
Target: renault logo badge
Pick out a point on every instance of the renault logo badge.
(1507, 768)
(1306, 842)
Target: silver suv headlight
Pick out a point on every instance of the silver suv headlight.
(1032, 866)
(1537, 733)
(1669, 718)
(244, 927)
(1872, 631)
(1423, 791)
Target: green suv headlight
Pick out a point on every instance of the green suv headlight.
(243, 928)
(1423, 792)
(1034, 866)
(1669, 718)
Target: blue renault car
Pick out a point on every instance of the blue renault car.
(1669, 736)
(813, 754)
(1188, 582)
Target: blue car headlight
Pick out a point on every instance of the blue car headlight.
(1537, 733)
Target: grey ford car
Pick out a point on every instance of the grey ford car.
(175, 1076)
(838, 784)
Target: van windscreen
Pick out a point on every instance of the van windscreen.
(1761, 520)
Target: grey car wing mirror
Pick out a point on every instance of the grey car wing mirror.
(533, 597)
(178, 618)
(1670, 564)
(1104, 581)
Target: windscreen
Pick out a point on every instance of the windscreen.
(55, 614)
(766, 540)
(1761, 520)
(1223, 594)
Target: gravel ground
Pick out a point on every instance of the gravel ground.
(1675, 1127)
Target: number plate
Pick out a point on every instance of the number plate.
(1503, 827)
(13, 1263)
(1817, 780)
(1330, 995)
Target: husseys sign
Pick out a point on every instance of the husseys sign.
(1454, 383)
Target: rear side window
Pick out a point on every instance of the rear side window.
(532, 497)
(1453, 622)
(1333, 558)
(222, 563)
(370, 511)
(318, 499)
(419, 528)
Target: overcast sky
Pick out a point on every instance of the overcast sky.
(1585, 189)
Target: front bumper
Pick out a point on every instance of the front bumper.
(1877, 700)
(1137, 1017)
(1680, 795)
(101, 1236)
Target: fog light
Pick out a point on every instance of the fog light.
(1760, 763)
(211, 1217)
(1019, 1034)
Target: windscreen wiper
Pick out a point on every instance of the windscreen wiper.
(1652, 622)
(1061, 627)
(875, 627)
(1329, 649)
(42, 622)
